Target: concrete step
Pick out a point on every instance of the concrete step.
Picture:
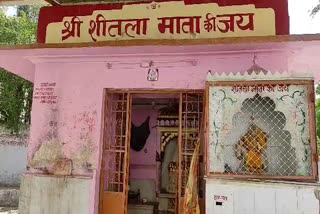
(9, 196)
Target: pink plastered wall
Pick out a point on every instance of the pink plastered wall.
(79, 87)
(78, 118)
(17, 65)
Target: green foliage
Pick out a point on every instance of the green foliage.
(316, 9)
(15, 101)
(15, 92)
(20, 29)
(31, 12)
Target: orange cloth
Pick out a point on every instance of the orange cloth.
(254, 161)
(254, 141)
(191, 199)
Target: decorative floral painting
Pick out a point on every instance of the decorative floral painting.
(260, 129)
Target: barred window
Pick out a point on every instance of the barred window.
(261, 129)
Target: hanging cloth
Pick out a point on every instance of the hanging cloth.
(139, 135)
(191, 197)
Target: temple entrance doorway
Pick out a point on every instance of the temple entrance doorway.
(149, 141)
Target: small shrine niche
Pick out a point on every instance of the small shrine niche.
(264, 137)
(261, 129)
(250, 149)
(168, 126)
(168, 130)
(169, 152)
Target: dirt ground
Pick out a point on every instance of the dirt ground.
(8, 210)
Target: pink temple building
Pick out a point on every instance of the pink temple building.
(122, 92)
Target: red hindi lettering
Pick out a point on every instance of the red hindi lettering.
(283, 88)
(255, 88)
(286, 88)
(193, 23)
(116, 26)
(260, 88)
(270, 88)
(100, 26)
(52, 84)
(228, 23)
(249, 25)
(44, 84)
(101, 21)
(176, 24)
(210, 23)
(72, 28)
(163, 26)
(138, 26)
(245, 89)
(95, 26)
(234, 89)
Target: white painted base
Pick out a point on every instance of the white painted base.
(248, 197)
(52, 195)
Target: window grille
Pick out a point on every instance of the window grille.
(261, 129)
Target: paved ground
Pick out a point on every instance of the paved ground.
(8, 210)
(9, 197)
